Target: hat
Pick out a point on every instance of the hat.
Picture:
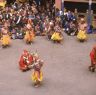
(35, 54)
(25, 53)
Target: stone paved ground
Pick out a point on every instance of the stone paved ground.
(65, 69)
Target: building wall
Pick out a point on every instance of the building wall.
(83, 1)
(2, 0)
(58, 4)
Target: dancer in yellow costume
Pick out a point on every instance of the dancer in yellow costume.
(29, 36)
(57, 37)
(37, 75)
(82, 35)
(5, 40)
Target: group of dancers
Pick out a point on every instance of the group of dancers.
(6, 36)
(54, 33)
(30, 61)
(38, 24)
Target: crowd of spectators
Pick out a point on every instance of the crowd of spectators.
(44, 21)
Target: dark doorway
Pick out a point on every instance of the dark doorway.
(82, 7)
(10, 1)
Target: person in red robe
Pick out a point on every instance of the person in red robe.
(25, 61)
(93, 59)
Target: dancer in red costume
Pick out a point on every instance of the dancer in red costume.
(25, 61)
(93, 59)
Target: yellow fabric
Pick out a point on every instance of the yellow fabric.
(82, 35)
(36, 76)
(56, 36)
(2, 4)
(5, 40)
(29, 37)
